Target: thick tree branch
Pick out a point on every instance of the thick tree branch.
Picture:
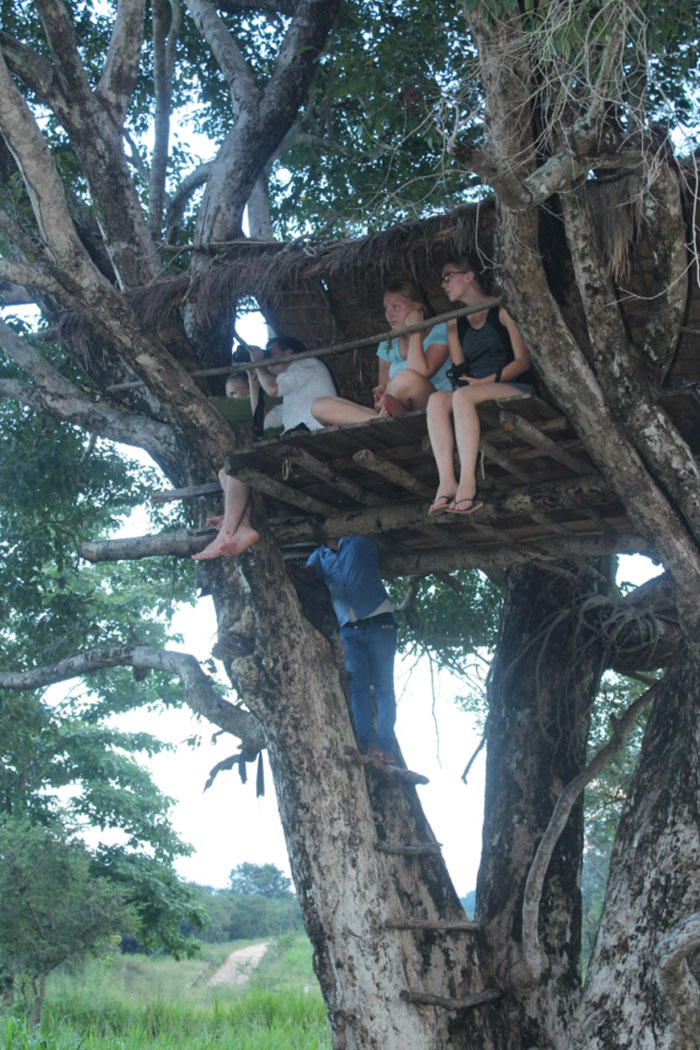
(33, 70)
(547, 551)
(262, 123)
(200, 693)
(625, 385)
(155, 438)
(532, 951)
(34, 364)
(29, 275)
(34, 160)
(60, 36)
(180, 198)
(95, 135)
(664, 218)
(241, 85)
(164, 41)
(84, 286)
(556, 174)
(121, 68)
(56, 396)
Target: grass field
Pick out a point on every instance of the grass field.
(136, 1002)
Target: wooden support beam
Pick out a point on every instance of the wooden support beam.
(441, 537)
(391, 472)
(181, 543)
(490, 532)
(544, 426)
(605, 527)
(416, 850)
(169, 495)
(278, 490)
(317, 468)
(445, 925)
(504, 461)
(552, 525)
(546, 552)
(530, 433)
(488, 995)
(567, 494)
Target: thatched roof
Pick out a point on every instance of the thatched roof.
(325, 292)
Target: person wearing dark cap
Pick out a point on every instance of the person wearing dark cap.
(350, 569)
(298, 383)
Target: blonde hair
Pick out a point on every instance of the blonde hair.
(409, 290)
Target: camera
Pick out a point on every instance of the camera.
(240, 355)
(457, 375)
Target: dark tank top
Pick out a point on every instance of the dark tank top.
(489, 348)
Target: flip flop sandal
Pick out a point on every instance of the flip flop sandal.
(466, 506)
(439, 505)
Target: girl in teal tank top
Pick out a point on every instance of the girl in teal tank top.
(411, 367)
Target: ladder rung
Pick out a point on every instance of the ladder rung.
(488, 995)
(414, 850)
(437, 924)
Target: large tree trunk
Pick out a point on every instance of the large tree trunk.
(336, 813)
(542, 684)
(641, 988)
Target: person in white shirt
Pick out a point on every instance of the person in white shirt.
(298, 383)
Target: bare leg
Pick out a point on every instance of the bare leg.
(335, 411)
(442, 441)
(235, 531)
(411, 389)
(468, 430)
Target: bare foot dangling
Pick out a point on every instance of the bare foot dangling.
(224, 546)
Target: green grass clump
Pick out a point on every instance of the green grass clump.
(154, 1003)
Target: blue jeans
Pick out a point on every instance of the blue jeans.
(370, 646)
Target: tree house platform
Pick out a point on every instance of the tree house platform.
(542, 493)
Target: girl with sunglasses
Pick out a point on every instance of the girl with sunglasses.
(489, 361)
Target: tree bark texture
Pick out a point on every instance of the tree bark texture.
(641, 989)
(541, 687)
(335, 812)
(606, 402)
(392, 978)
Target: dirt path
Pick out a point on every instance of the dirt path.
(238, 966)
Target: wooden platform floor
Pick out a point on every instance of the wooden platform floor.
(379, 478)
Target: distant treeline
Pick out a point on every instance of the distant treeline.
(258, 903)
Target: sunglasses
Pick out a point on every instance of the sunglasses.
(447, 277)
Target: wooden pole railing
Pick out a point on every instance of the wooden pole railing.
(330, 351)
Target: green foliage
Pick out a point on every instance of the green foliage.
(264, 880)
(168, 913)
(371, 151)
(52, 907)
(61, 756)
(454, 621)
(153, 1003)
(235, 915)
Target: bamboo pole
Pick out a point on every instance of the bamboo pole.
(329, 351)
